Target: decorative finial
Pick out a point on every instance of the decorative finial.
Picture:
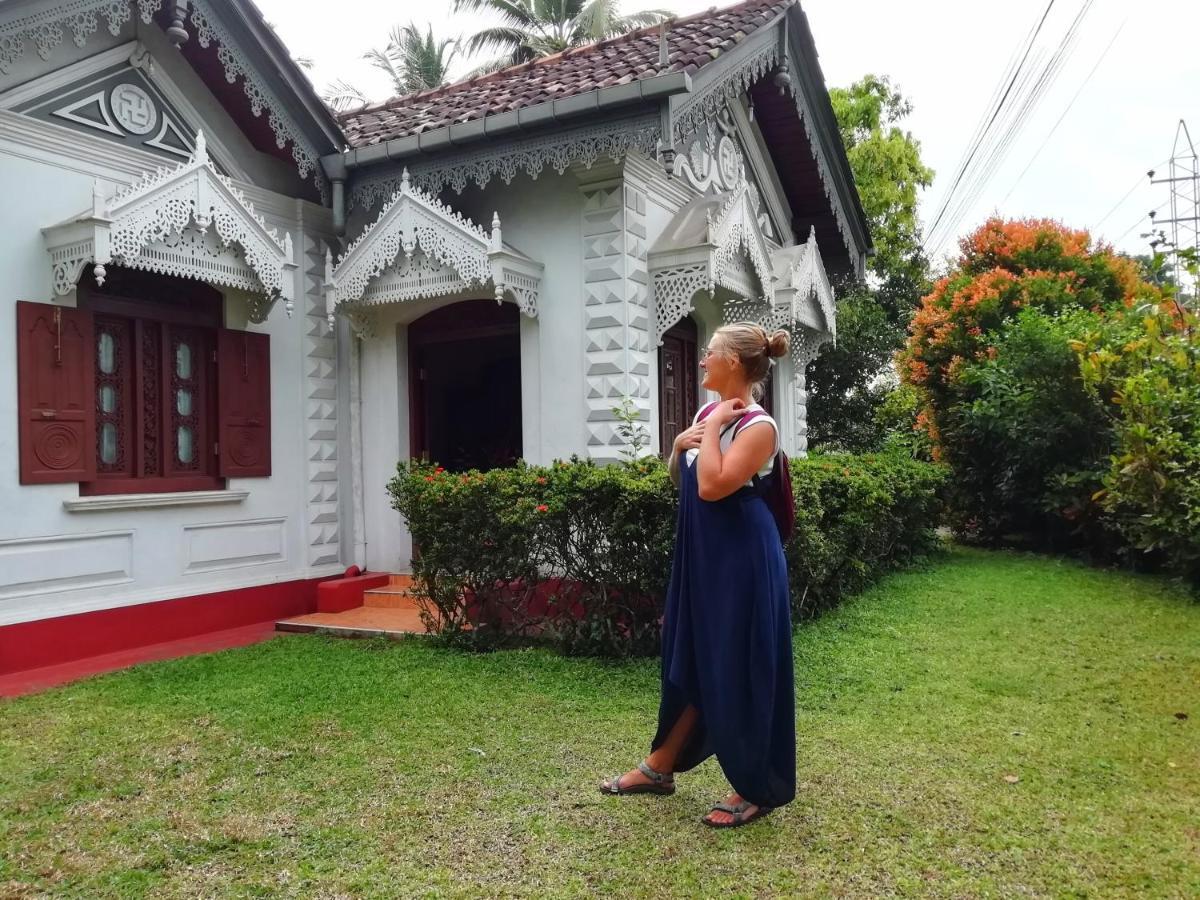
(101, 273)
(497, 240)
(98, 201)
(176, 33)
(664, 51)
(783, 81)
(200, 154)
(288, 306)
(404, 182)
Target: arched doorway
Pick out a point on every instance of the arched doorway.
(465, 377)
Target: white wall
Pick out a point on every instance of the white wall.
(54, 561)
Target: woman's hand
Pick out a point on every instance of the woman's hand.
(727, 411)
(689, 438)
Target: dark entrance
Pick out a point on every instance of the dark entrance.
(465, 377)
(678, 373)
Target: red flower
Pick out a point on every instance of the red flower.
(438, 471)
(541, 479)
(429, 478)
(543, 508)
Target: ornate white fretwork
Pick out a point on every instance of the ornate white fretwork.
(236, 62)
(705, 104)
(189, 222)
(714, 240)
(715, 164)
(46, 28)
(675, 289)
(420, 248)
(802, 282)
(824, 169)
(505, 160)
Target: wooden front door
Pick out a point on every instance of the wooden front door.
(678, 387)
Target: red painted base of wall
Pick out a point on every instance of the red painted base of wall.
(48, 642)
(347, 593)
(30, 681)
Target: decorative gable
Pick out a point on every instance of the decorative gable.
(119, 103)
(190, 222)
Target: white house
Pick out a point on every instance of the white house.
(231, 313)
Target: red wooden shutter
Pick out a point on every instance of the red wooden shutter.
(244, 403)
(56, 394)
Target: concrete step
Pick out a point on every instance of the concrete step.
(362, 621)
(390, 598)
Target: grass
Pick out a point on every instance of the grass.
(996, 725)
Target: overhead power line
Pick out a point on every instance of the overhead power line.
(1070, 104)
(973, 148)
(1025, 98)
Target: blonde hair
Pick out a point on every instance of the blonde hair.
(755, 349)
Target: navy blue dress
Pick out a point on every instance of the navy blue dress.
(727, 643)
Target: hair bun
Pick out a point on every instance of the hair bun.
(777, 343)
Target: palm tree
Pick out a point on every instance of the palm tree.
(413, 61)
(529, 29)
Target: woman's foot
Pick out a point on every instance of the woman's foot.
(642, 780)
(733, 811)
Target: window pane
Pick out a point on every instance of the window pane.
(183, 360)
(108, 443)
(108, 398)
(183, 402)
(184, 444)
(106, 353)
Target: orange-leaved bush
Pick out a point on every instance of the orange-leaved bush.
(990, 354)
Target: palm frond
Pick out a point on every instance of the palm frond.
(341, 95)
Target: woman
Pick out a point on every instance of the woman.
(727, 637)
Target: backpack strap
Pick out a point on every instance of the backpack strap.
(747, 419)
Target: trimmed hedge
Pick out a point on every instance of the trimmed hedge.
(578, 555)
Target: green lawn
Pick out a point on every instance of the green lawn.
(996, 725)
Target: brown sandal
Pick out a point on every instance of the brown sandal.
(738, 811)
(661, 783)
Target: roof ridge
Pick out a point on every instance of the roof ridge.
(556, 58)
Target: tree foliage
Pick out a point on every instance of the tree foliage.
(413, 61)
(1064, 392)
(888, 171)
(528, 29)
(848, 383)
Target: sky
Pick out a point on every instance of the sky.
(1080, 155)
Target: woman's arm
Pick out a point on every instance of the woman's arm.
(721, 474)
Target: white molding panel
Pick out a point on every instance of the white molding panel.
(233, 545)
(46, 565)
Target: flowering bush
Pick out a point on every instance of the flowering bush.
(1004, 404)
(578, 555)
(1063, 391)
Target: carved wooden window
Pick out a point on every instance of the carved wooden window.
(144, 353)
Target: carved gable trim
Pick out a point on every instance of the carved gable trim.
(420, 248)
(190, 222)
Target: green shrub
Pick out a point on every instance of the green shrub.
(1028, 441)
(578, 556)
(857, 518)
(1145, 366)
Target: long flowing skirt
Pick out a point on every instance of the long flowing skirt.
(727, 643)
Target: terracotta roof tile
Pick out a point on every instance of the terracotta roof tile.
(693, 43)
